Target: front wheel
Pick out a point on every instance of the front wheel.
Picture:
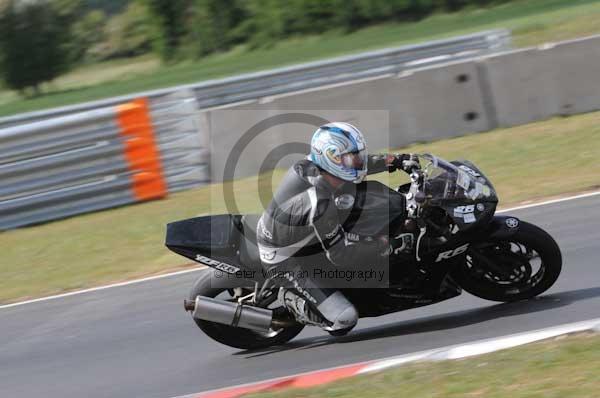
(233, 336)
(520, 268)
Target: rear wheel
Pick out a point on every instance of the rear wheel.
(233, 336)
(519, 268)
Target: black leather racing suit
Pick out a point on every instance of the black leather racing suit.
(302, 231)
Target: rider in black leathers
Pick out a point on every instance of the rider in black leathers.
(305, 225)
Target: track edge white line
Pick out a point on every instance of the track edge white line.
(99, 288)
(481, 347)
(451, 352)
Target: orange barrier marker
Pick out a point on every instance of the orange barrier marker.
(141, 151)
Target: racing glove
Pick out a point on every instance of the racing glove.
(402, 161)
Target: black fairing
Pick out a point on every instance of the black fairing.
(226, 238)
(210, 236)
(497, 229)
(377, 209)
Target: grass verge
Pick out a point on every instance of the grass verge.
(526, 162)
(562, 367)
(532, 22)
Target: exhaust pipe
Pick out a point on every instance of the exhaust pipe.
(228, 313)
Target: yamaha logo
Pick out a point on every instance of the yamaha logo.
(268, 255)
(344, 202)
(512, 222)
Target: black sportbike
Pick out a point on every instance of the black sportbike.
(450, 236)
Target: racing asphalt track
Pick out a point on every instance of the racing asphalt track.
(136, 340)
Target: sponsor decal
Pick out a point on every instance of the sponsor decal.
(452, 253)
(486, 191)
(299, 170)
(469, 218)
(423, 301)
(333, 156)
(344, 202)
(299, 288)
(352, 236)
(230, 269)
(264, 229)
(334, 232)
(476, 191)
(407, 243)
(463, 180)
(338, 237)
(345, 321)
(463, 210)
(466, 212)
(268, 255)
(469, 170)
(512, 222)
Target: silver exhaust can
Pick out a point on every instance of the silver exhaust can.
(232, 314)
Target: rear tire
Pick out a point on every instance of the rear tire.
(475, 281)
(245, 339)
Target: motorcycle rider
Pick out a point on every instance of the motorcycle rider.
(303, 221)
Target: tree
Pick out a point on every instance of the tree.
(212, 25)
(168, 17)
(127, 34)
(34, 44)
(87, 33)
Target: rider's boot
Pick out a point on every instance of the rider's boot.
(335, 314)
(298, 306)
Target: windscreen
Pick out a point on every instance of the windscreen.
(446, 182)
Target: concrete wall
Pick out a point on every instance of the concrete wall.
(536, 84)
(392, 111)
(241, 139)
(422, 105)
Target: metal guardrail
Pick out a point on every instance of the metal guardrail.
(99, 159)
(303, 76)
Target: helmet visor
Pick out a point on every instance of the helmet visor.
(355, 160)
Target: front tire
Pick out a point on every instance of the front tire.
(245, 339)
(522, 279)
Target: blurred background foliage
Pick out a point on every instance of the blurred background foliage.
(42, 39)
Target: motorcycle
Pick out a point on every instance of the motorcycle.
(450, 235)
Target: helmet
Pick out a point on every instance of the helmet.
(340, 149)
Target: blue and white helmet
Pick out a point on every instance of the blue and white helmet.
(341, 150)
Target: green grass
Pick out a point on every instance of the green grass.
(532, 22)
(562, 367)
(526, 162)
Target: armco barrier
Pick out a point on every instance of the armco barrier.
(141, 151)
(181, 139)
(96, 160)
(69, 165)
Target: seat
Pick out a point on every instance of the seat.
(249, 255)
(210, 235)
